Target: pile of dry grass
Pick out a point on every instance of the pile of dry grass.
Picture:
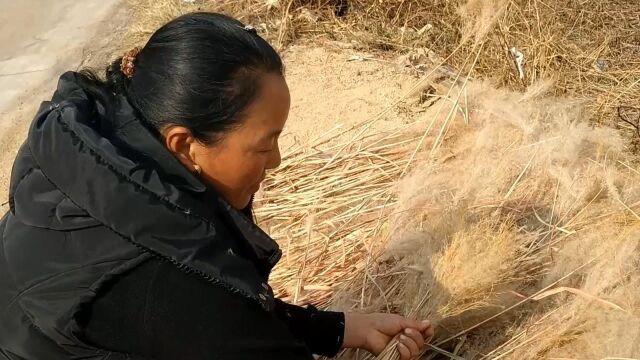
(515, 226)
(518, 235)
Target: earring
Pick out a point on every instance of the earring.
(197, 169)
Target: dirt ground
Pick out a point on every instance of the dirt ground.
(330, 85)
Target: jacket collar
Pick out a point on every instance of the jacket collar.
(143, 141)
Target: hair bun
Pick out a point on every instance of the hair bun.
(127, 65)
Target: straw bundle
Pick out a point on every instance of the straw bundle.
(518, 231)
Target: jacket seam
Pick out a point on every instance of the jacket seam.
(25, 175)
(12, 206)
(42, 333)
(28, 289)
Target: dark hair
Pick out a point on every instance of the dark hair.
(200, 71)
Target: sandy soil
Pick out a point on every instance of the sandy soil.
(40, 40)
(330, 85)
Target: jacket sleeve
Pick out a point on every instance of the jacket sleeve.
(156, 311)
(321, 331)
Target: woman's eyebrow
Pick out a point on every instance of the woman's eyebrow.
(271, 134)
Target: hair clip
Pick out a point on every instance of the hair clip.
(127, 64)
(250, 29)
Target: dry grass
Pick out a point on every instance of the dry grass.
(515, 228)
(503, 215)
(325, 201)
(528, 245)
(589, 48)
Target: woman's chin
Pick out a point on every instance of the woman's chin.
(243, 203)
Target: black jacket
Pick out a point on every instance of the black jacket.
(96, 198)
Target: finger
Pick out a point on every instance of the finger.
(416, 336)
(428, 333)
(426, 325)
(413, 347)
(389, 324)
(405, 353)
(415, 324)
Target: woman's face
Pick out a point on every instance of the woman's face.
(236, 164)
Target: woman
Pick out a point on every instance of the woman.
(130, 233)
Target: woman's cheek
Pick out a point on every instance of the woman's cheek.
(253, 174)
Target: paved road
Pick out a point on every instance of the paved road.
(39, 39)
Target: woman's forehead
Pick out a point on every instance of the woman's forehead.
(270, 109)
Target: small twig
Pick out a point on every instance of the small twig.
(283, 25)
(459, 345)
(630, 209)
(635, 123)
(578, 292)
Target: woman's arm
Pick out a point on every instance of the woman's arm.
(157, 311)
(326, 332)
(160, 312)
(321, 331)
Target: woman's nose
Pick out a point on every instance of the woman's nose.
(275, 159)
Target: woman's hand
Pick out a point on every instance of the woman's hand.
(373, 332)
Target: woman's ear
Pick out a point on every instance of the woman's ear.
(181, 143)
